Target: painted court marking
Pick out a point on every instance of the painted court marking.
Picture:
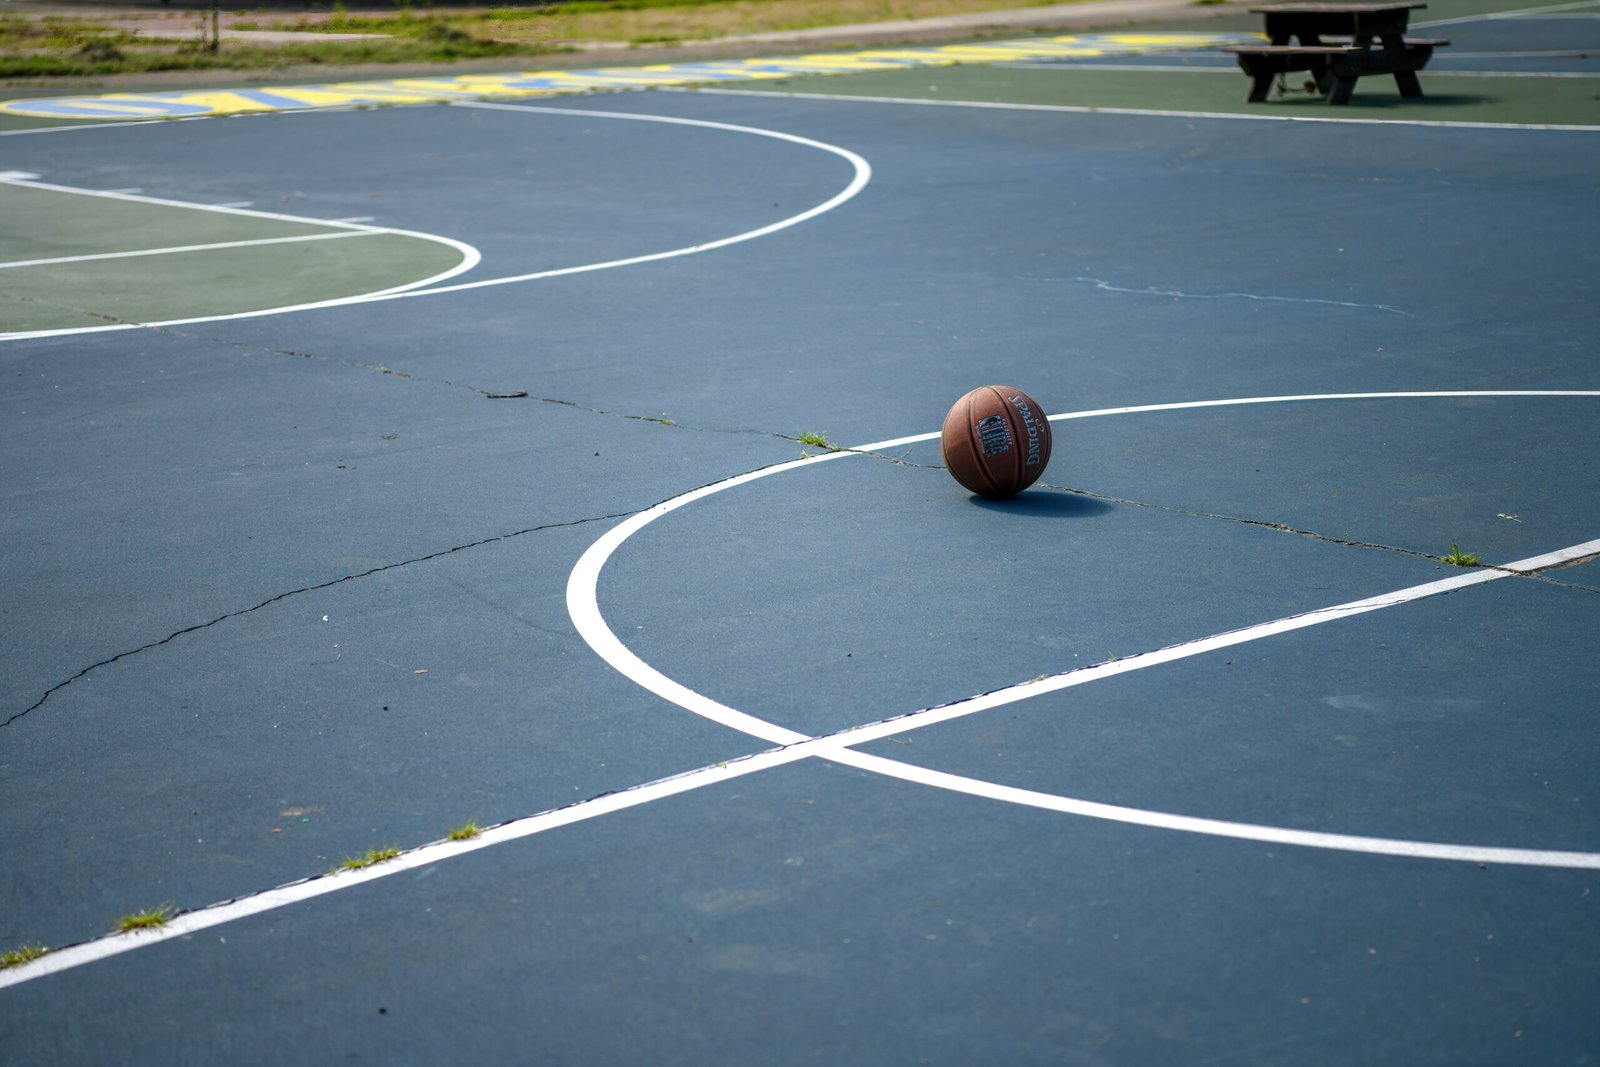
(470, 256)
(839, 747)
(176, 249)
(1080, 109)
(184, 104)
(583, 607)
(1512, 13)
(861, 174)
(189, 104)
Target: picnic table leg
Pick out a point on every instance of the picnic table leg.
(1344, 75)
(1405, 78)
(1342, 90)
(1324, 78)
(1260, 84)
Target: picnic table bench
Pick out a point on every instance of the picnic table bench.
(1338, 43)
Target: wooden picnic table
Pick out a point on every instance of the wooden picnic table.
(1337, 43)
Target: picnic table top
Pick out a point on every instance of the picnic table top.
(1331, 7)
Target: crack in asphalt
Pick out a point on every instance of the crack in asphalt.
(1179, 294)
(662, 420)
(380, 368)
(1264, 524)
(304, 589)
(392, 372)
(1343, 542)
(901, 461)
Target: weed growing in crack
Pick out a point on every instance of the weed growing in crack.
(1458, 558)
(465, 832)
(367, 859)
(21, 954)
(149, 919)
(818, 440)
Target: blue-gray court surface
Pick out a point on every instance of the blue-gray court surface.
(373, 474)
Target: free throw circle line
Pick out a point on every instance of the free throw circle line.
(583, 608)
(861, 175)
(1272, 835)
(582, 605)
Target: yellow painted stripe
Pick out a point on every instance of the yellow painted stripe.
(540, 83)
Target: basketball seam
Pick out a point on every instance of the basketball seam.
(1012, 476)
(1019, 466)
(980, 461)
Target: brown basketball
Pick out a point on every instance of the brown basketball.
(996, 441)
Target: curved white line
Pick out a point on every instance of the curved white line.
(582, 589)
(861, 175)
(858, 181)
(584, 609)
(1272, 835)
(470, 257)
(838, 747)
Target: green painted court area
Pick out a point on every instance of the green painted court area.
(76, 258)
(1450, 97)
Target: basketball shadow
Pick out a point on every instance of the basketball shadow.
(1044, 504)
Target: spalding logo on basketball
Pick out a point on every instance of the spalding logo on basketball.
(996, 441)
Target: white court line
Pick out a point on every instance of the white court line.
(1159, 68)
(95, 126)
(469, 255)
(1511, 13)
(858, 181)
(1555, 53)
(15, 178)
(839, 747)
(1074, 109)
(1432, 73)
(1216, 642)
(1296, 398)
(843, 744)
(175, 249)
(861, 175)
(1509, 73)
(1273, 835)
(583, 607)
(121, 124)
(192, 922)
